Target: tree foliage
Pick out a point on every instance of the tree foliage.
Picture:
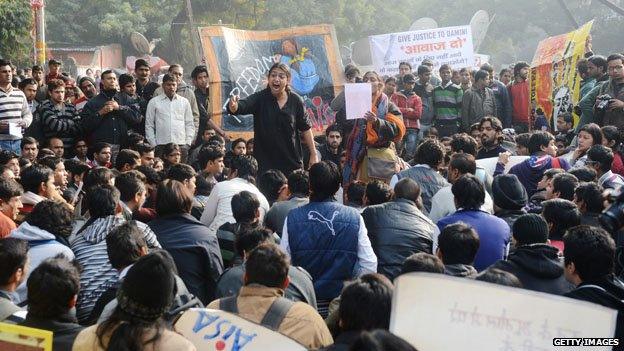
(15, 41)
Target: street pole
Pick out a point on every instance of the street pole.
(193, 33)
(40, 46)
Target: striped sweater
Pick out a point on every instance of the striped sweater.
(98, 275)
(447, 102)
(60, 121)
(13, 108)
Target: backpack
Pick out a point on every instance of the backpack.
(272, 319)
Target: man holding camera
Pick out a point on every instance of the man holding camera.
(606, 100)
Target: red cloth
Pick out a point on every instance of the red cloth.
(558, 244)
(520, 102)
(410, 119)
(618, 165)
(51, 76)
(6, 225)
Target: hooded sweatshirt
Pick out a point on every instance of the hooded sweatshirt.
(460, 270)
(538, 268)
(98, 275)
(531, 170)
(42, 245)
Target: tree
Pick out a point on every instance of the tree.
(15, 40)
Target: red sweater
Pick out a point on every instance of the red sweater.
(520, 102)
(410, 119)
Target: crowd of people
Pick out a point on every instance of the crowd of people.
(123, 204)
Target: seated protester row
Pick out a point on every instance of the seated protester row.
(600, 158)
(560, 215)
(510, 198)
(274, 185)
(46, 229)
(125, 246)
(53, 290)
(423, 262)
(219, 210)
(266, 277)
(13, 272)
(298, 191)
(146, 294)
(196, 253)
(211, 165)
(10, 205)
(561, 186)
(327, 239)
(589, 200)
(186, 175)
(533, 261)
(398, 229)
(458, 245)
(443, 203)
(494, 233)
(89, 247)
(300, 287)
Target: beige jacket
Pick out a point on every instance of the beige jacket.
(87, 340)
(302, 323)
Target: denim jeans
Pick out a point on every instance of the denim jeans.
(410, 143)
(11, 145)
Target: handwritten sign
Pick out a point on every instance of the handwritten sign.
(18, 338)
(221, 331)
(357, 99)
(489, 164)
(439, 312)
(450, 45)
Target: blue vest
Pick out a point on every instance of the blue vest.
(323, 239)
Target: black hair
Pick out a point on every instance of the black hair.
(270, 183)
(124, 244)
(584, 174)
(13, 256)
(32, 177)
(299, 183)
(599, 61)
(564, 184)
(390, 80)
(355, 194)
(463, 142)
(612, 134)
(181, 172)
(267, 265)
(458, 244)
(99, 146)
(494, 122)
(127, 156)
(132, 140)
(5, 62)
(422, 262)
(9, 188)
(51, 287)
(481, 74)
(76, 167)
(403, 63)
(538, 140)
(378, 192)
(562, 214)
(602, 156)
(246, 167)
(594, 130)
(151, 176)
(469, 192)
(249, 238)
(500, 277)
(550, 173)
(26, 82)
(52, 216)
(173, 198)
(107, 72)
(244, 207)
(366, 303)
(333, 128)
(380, 340)
(519, 66)
(6, 156)
(209, 153)
(102, 200)
(168, 77)
(325, 179)
(431, 153)
(464, 163)
(198, 70)
(422, 69)
(28, 141)
(129, 184)
(591, 249)
(140, 63)
(503, 71)
(530, 228)
(614, 57)
(523, 139)
(51, 162)
(143, 148)
(98, 176)
(590, 194)
(407, 189)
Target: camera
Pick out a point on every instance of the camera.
(612, 219)
(602, 102)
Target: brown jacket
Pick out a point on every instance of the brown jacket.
(302, 323)
(87, 340)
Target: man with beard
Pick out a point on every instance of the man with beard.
(108, 116)
(87, 86)
(331, 150)
(491, 136)
(519, 93)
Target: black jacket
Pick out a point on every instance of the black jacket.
(112, 127)
(607, 291)
(538, 268)
(397, 230)
(65, 329)
(195, 252)
(510, 216)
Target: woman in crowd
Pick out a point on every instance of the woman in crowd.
(588, 136)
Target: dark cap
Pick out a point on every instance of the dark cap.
(54, 62)
(409, 78)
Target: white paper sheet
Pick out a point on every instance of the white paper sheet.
(15, 129)
(358, 97)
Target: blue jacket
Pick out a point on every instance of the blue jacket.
(494, 235)
(531, 170)
(323, 239)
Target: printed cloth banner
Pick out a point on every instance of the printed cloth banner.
(18, 338)
(440, 312)
(221, 331)
(450, 45)
(238, 62)
(554, 82)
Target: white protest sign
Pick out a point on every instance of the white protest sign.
(439, 312)
(489, 164)
(358, 97)
(221, 331)
(15, 129)
(479, 60)
(450, 45)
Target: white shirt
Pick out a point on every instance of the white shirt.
(169, 121)
(218, 210)
(367, 260)
(443, 204)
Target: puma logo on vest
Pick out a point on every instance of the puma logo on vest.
(313, 215)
